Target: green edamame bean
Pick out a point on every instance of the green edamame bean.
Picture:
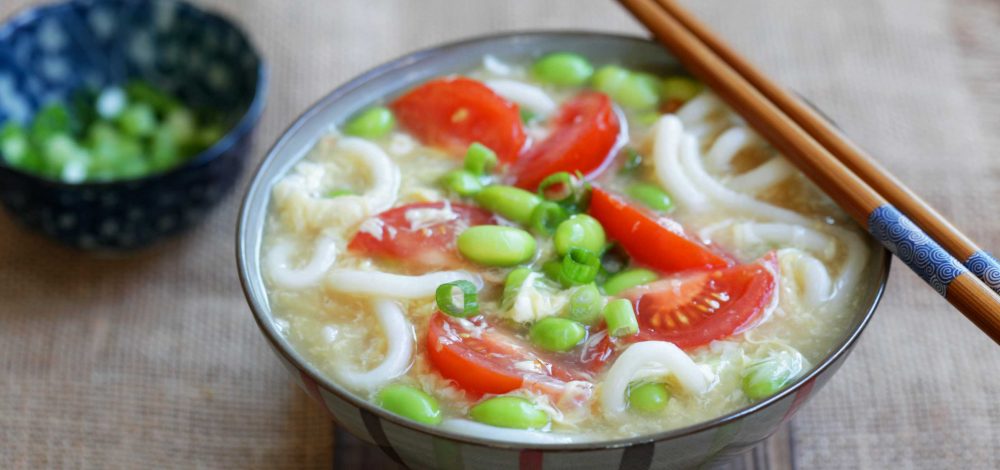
(512, 203)
(496, 245)
(609, 79)
(766, 378)
(638, 91)
(410, 402)
(585, 305)
(557, 334)
(648, 397)
(651, 196)
(461, 182)
(628, 279)
(509, 412)
(372, 123)
(562, 68)
(679, 88)
(579, 231)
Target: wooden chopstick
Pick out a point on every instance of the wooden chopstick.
(922, 254)
(975, 259)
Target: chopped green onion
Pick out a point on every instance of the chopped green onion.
(138, 120)
(620, 318)
(338, 192)
(651, 196)
(527, 116)
(585, 304)
(561, 185)
(480, 159)
(633, 159)
(462, 182)
(547, 216)
(580, 266)
(445, 297)
(512, 286)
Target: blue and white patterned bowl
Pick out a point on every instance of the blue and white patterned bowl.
(420, 446)
(49, 52)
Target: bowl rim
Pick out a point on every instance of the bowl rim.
(243, 126)
(293, 357)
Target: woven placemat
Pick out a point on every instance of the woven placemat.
(154, 361)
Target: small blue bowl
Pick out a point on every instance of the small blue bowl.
(49, 52)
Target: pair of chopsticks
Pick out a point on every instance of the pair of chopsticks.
(928, 244)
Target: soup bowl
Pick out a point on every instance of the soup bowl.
(421, 446)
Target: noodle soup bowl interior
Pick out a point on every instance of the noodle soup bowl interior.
(423, 446)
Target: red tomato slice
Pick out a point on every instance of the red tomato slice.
(657, 242)
(488, 362)
(692, 310)
(454, 112)
(584, 137)
(416, 244)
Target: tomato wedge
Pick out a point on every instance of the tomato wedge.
(454, 112)
(694, 309)
(584, 137)
(493, 361)
(657, 242)
(419, 235)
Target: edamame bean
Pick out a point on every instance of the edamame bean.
(609, 79)
(512, 203)
(648, 397)
(628, 279)
(585, 304)
(651, 196)
(461, 182)
(509, 412)
(410, 402)
(562, 68)
(638, 91)
(557, 334)
(579, 231)
(766, 378)
(496, 245)
(372, 123)
(679, 88)
(138, 120)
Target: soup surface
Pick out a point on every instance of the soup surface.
(557, 251)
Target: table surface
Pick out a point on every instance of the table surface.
(154, 360)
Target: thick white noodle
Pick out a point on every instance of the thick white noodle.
(529, 96)
(299, 195)
(394, 286)
(399, 338)
(809, 277)
(485, 431)
(283, 274)
(666, 157)
(647, 360)
(495, 66)
(726, 146)
(766, 174)
(821, 244)
(700, 107)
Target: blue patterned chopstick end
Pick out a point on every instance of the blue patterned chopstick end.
(985, 267)
(911, 245)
